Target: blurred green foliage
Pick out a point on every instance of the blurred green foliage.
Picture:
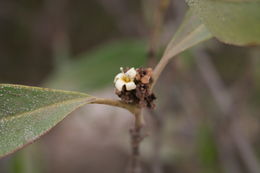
(207, 149)
(17, 164)
(96, 69)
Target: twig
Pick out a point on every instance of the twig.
(153, 44)
(156, 31)
(136, 138)
(227, 107)
(126, 19)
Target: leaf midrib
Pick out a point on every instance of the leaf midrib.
(169, 54)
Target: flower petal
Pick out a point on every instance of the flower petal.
(131, 73)
(130, 86)
(119, 84)
(118, 76)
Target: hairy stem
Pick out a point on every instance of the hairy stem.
(136, 138)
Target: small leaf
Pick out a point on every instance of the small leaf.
(190, 33)
(26, 113)
(231, 21)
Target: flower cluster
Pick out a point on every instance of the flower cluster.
(134, 86)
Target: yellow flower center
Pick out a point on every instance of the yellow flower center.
(126, 79)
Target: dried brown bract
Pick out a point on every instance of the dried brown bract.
(142, 94)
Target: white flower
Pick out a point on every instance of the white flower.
(125, 79)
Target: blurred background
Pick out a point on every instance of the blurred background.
(207, 114)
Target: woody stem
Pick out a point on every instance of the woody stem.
(136, 139)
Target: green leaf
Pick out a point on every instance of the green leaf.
(231, 21)
(96, 69)
(190, 33)
(26, 113)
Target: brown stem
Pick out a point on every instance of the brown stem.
(136, 138)
(135, 142)
(156, 30)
